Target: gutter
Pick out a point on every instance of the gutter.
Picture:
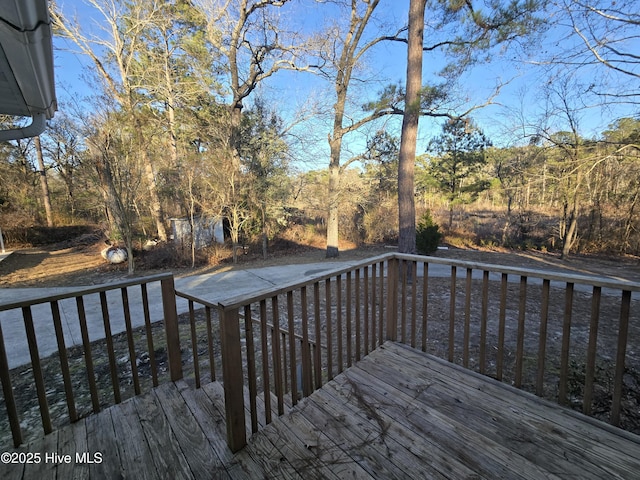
(35, 128)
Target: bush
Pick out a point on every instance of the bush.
(427, 235)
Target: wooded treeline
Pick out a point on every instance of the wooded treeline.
(181, 125)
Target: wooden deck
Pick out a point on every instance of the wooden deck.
(396, 414)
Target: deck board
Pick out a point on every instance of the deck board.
(396, 414)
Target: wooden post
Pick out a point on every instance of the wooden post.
(171, 328)
(232, 378)
(392, 297)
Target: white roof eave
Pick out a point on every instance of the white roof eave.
(26, 60)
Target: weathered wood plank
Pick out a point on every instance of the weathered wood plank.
(261, 451)
(381, 447)
(207, 406)
(212, 402)
(163, 445)
(481, 455)
(295, 450)
(344, 463)
(45, 467)
(72, 440)
(583, 442)
(198, 452)
(101, 439)
(13, 470)
(398, 413)
(137, 460)
(454, 412)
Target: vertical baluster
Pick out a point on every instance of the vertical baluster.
(501, 326)
(292, 348)
(212, 363)
(110, 350)
(483, 321)
(414, 281)
(382, 302)
(365, 324)
(339, 345)
(374, 301)
(37, 370)
(566, 343)
(149, 333)
(452, 313)
(317, 353)
(285, 365)
(621, 354)
(307, 379)
(88, 357)
(404, 273)
(130, 343)
(357, 318)
(467, 320)
(9, 398)
(329, 320)
(591, 350)
(251, 368)
(194, 343)
(349, 336)
(522, 309)
(265, 361)
(542, 345)
(275, 348)
(64, 361)
(392, 300)
(425, 304)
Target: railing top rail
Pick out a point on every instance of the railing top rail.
(594, 280)
(245, 299)
(195, 299)
(81, 291)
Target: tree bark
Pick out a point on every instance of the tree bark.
(406, 162)
(333, 220)
(46, 198)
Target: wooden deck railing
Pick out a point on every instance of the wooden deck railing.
(560, 336)
(555, 334)
(286, 342)
(37, 325)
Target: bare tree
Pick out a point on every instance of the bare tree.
(341, 52)
(44, 184)
(254, 45)
(606, 35)
(114, 55)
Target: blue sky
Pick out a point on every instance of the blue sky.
(520, 99)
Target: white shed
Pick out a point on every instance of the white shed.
(207, 231)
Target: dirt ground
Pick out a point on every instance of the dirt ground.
(78, 262)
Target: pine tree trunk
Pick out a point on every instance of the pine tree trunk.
(406, 201)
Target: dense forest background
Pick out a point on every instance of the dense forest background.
(181, 125)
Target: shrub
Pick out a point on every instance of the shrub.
(427, 235)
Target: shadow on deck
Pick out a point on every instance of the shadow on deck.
(398, 413)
